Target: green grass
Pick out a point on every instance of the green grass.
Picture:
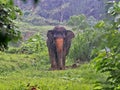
(23, 72)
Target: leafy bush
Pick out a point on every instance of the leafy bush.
(8, 32)
(34, 44)
(81, 22)
(108, 59)
(88, 37)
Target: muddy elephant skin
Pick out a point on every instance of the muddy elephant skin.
(58, 43)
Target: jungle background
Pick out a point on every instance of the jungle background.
(93, 62)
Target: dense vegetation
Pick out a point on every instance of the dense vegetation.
(62, 9)
(25, 65)
(99, 41)
(8, 31)
(108, 59)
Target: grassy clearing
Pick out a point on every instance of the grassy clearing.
(24, 72)
(27, 27)
(20, 72)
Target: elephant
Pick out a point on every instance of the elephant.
(58, 43)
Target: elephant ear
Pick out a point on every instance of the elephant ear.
(69, 35)
(68, 38)
(50, 38)
(50, 34)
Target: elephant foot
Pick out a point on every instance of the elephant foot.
(57, 68)
(61, 68)
(52, 69)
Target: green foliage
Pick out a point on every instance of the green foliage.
(78, 22)
(115, 9)
(81, 22)
(108, 59)
(83, 45)
(87, 38)
(8, 32)
(99, 40)
(34, 44)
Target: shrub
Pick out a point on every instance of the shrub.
(34, 44)
(108, 58)
(87, 38)
(108, 61)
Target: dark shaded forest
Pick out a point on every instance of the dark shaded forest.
(62, 9)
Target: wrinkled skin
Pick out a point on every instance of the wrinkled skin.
(59, 42)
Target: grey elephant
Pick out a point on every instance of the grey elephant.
(58, 43)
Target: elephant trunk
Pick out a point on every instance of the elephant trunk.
(59, 49)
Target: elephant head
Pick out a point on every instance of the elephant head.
(59, 42)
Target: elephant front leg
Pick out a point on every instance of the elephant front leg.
(53, 60)
(53, 64)
(64, 58)
(61, 60)
(60, 64)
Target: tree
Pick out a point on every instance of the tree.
(8, 32)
